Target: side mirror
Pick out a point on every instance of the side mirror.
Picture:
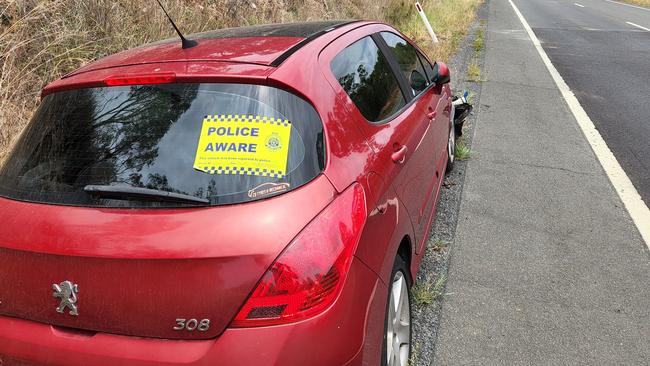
(418, 82)
(443, 76)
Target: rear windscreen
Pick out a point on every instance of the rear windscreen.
(223, 143)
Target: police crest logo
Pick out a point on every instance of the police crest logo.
(67, 292)
(273, 142)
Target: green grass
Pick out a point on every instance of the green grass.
(427, 292)
(439, 245)
(474, 72)
(479, 40)
(462, 151)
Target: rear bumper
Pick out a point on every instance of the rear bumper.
(350, 332)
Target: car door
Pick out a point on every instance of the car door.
(425, 123)
(441, 103)
(361, 69)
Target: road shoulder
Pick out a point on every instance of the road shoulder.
(433, 269)
(547, 266)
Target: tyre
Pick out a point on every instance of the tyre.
(458, 129)
(451, 148)
(397, 323)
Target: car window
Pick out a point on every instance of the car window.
(431, 70)
(222, 143)
(365, 75)
(408, 60)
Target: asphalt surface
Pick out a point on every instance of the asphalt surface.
(606, 62)
(546, 266)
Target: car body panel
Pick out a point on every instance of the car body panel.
(389, 219)
(348, 152)
(251, 50)
(187, 263)
(424, 138)
(261, 44)
(184, 71)
(279, 345)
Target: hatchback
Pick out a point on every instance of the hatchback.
(261, 198)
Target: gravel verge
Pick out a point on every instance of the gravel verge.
(433, 270)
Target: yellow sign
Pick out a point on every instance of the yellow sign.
(243, 144)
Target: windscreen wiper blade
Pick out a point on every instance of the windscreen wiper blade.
(126, 191)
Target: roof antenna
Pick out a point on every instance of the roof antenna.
(187, 43)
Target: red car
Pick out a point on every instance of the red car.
(261, 198)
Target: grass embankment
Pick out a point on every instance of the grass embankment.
(645, 3)
(41, 40)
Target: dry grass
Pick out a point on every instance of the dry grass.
(41, 40)
(474, 72)
(645, 3)
(449, 18)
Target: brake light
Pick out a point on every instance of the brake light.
(308, 276)
(119, 80)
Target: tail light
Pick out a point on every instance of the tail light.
(308, 276)
(160, 78)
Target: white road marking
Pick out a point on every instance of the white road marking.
(580, 5)
(630, 5)
(635, 206)
(638, 26)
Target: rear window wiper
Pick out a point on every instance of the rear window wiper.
(126, 191)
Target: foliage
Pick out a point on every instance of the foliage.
(427, 292)
(41, 40)
(462, 151)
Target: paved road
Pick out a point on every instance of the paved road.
(606, 62)
(547, 266)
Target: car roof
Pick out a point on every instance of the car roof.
(266, 45)
(297, 29)
(236, 55)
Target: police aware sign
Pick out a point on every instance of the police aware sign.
(243, 144)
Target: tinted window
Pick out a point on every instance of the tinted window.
(431, 70)
(147, 136)
(408, 60)
(364, 73)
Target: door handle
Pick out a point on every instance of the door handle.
(400, 155)
(432, 114)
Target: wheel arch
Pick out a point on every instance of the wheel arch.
(405, 249)
(406, 252)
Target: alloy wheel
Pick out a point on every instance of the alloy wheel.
(451, 144)
(398, 329)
